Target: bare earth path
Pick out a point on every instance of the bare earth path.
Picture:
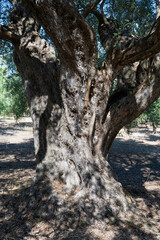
(136, 160)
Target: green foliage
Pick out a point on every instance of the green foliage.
(153, 113)
(5, 101)
(12, 95)
(134, 16)
(151, 116)
(6, 48)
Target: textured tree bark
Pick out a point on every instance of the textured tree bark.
(67, 128)
(64, 136)
(74, 127)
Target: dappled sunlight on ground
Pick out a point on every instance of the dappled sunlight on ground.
(136, 160)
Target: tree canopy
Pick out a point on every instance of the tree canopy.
(135, 17)
(12, 95)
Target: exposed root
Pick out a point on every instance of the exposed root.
(55, 201)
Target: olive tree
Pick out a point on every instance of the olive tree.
(75, 116)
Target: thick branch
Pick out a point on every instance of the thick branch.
(137, 49)
(102, 12)
(73, 37)
(126, 109)
(7, 34)
(99, 16)
(90, 7)
(125, 49)
(107, 28)
(138, 103)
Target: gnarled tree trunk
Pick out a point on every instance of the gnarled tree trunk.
(68, 133)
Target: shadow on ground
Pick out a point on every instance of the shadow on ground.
(20, 223)
(134, 163)
(11, 128)
(16, 153)
(137, 166)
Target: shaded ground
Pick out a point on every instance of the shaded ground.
(136, 160)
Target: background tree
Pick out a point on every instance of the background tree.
(12, 94)
(150, 116)
(76, 114)
(4, 100)
(153, 114)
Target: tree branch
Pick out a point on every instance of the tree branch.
(158, 8)
(102, 12)
(90, 7)
(134, 50)
(132, 106)
(68, 30)
(113, 4)
(7, 34)
(125, 110)
(125, 49)
(106, 28)
(98, 16)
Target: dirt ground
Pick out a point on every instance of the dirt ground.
(135, 159)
